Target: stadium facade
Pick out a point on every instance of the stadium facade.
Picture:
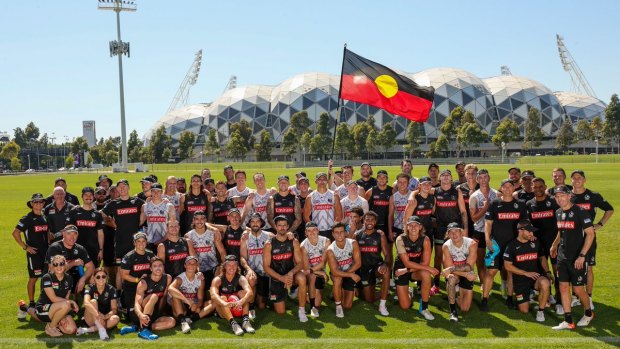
(270, 107)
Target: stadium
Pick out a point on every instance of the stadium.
(490, 100)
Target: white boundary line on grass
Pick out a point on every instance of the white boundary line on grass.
(325, 341)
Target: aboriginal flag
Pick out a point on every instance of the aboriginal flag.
(368, 82)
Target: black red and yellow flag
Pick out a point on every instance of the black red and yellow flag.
(368, 82)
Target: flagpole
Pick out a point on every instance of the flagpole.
(344, 53)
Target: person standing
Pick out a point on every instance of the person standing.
(196, 199)
(322, 207)
(366, 181)
(89, 223)
(57, 213)
(284, 203)
(378, 198)
(156, 212)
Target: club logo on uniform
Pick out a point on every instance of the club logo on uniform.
(571, 214)
(92, 214)
(563, 215)
(587, 197)
(516, 206)
(548, 203)
(532, 245)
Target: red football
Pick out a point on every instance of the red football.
(238, 311)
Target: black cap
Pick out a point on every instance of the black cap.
(153, 177)
(209, 180)
(301, 174)
(103, 178)
(432, 164)
(88, 190)
(147, 179)
(122, 181)
(320, 174)
(311, 225)
(156, 186)
(425, 179)
(514, 168)
(234, 210)
(382, 172)
(181, 179)
(414, 219)
(69, 228)
(507, 180)
(59, 179)
(482, 171)
(35, 197)
(230, 258)
(276, 219)
(460, 163)
(453, 225)
(446, 171)
(528, 173)
(579, 172)
(561, 189)
(338, 172)
(526, 224)
(283, 177)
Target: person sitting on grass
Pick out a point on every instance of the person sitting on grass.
(100, 306)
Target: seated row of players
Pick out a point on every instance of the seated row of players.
(422, 194)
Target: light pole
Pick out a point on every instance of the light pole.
(503, 151)
(201, 161)
(54, 150)
(28, 161)
(120, 48)
(596, 141)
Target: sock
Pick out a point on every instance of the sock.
(382, 303)
(302, 309)
(590, 295)
(312, 303)
(31, 304)
(436, 281)
(588, 313)
(252, 305)
(503, 284)
(568, 317)
(246, 318)
(424, 305)
(453, 308)
(98, 325)
(232, 321)
(338, 304)
(485, 300)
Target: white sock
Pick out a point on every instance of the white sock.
(503, 284)
(302, 309)
(382, 303)
(98, 325)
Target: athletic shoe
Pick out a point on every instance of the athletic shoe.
(252, 314)
(559, 309)
(510, 303)
(484, 306)
(540, 316)
(293, 294)
(552, 300)
(247, 327)
(339, 312)
(128, 329)
(454, 317)
(302, 315)
(392, 283)
(185, 327)
(314, 312)
(383, 310)
(585, 320)
(189, 321)
(145, 333)
(591, 304)
(434, 290)
(22, 309)
(81, 330)
(564, 326)
(237, 330)
(575, 302)
(103, 334)
(52, 332)
(427, 315)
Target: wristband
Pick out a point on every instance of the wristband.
(137, 280)
(582, 255)
(600, 223)
(25, 247)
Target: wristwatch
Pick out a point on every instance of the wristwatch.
(582, 255)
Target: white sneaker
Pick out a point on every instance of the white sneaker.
(552, 300)
(396, 297)
(247, 327)
(314, 312)
(185, 327)
(21, 314)
(575, 302)
(302, 315)
(339, 312)
(103, 334)
(454, 317)
(383, 310)
(252, 314)
(591, 304)
(81, 330)
(540, 316)
(189, 321)
(427, 315)
(293, 294)
(585, 320)
(238, 331)
(564, 326)
(559, 309)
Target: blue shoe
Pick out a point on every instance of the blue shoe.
(129, 329)
(145, 333)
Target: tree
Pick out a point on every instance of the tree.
(470, 134)
(442, 144)
(146, 155)
(300, 123)
(159, 142)
(31, 131)
(431, 153)
(344, 139)
(450, 127)
(264, 146)
(236, 146)
(415, 131)
(134, 147)
(186, 145)
(321, 142)
(583, 133)
(16, 164)
(290, 142)
(10, 151)
(597, 126)
(245, 132)
(507, 131)
(213, 146)
(167, 154)
(387, 137)
(371, 141)
(306, 141)
(20, 137)
(360, 134)
(565, 136)
(611, 128)
(533, 133)
(79, 144)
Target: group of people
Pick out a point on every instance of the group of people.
(175, 253)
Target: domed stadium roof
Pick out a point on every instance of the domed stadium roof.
(188, 118)
(578, 107)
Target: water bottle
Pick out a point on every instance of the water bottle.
(80, 269)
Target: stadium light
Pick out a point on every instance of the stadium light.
(120, 48)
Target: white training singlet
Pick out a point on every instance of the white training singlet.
(459, 254)
(255, 245)
(400, 203)
(344, 256)
(493, 194)
(315, 252)
(204, 245)
(322, 209)
(156, 219)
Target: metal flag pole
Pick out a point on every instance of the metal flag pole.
(344, 53)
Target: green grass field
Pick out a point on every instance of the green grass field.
(362, 326)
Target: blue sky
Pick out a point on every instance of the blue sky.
(55, 67)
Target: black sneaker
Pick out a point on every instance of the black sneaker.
(484, 306)
(510, 304)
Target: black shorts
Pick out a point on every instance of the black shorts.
(368, 275)
(129, 297)
(439, 235)
(36, 265)
(209, 275)
(277, 291)
(498, 262)
(262, 286)
(347, 283)
(108, 249)
(522, 289)
(465, 284)
(42, 311)
(395, 233)
(92, 253)
(404, 279)
(568, 273)
(326, 233)
(546, 242)
(591, 256)
(319, 283)
(480, 239)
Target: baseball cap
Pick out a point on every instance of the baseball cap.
(382, 172)
(579, 172)
(153, 177)
(200, 213)
(453, 225)
(365, 164)
(276, 219)
(59, 179)
(562, 189)
(301, 174)
(88, 190)
(283, 177)
(103, 178)
(446, 171)
(311, 225)
(482, 171)
(338, 172)
(100, 189)
(234, 210)
(35, 197)
(70, 228)
(432, 164)
(425, 179)
(139, 235)
(527, 173)
(526, 224)
(414, 219)
(507, 180)
(350, 183)
(181, 179)
(257, 215)
(321, 174)
(190, 257)
(489, 257)
(228, 167)
(209, 180)
(157, 186)
(147, 179)
(122, 181)
(230, 258)
(460, 163)
(514, 168)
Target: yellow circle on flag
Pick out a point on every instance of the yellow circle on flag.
(387, 85)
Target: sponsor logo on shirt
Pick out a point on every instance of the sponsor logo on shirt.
(345, 262)
(40, 228)
(381, 203)
(400, 208)
(221, 214)
(446, 204)
(233, 242)
(566, 225)
(141, 267)
(156, 219)
(190, 295)
(83, 223)
(316, 260)
(369, 249)
(414, 254)
(542, 214)
(282, 256)
(424, 212)
(284, 210)
(527, 257)
(586, 206)
(509, 215)
(323, 207)
(203, 249)
(178, 256)
(196, 208)
(124, 211)
(260, 208)
(255, 251)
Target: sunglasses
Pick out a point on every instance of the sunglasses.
(523, 229)
(61, 264)
(99, 277)
(38, 202)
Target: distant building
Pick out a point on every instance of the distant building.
(88, 132)
(5, 138)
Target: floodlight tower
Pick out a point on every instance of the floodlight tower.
(232, 83)
(505, 70)
(180, 99)
(120, 48)
(578, 79)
